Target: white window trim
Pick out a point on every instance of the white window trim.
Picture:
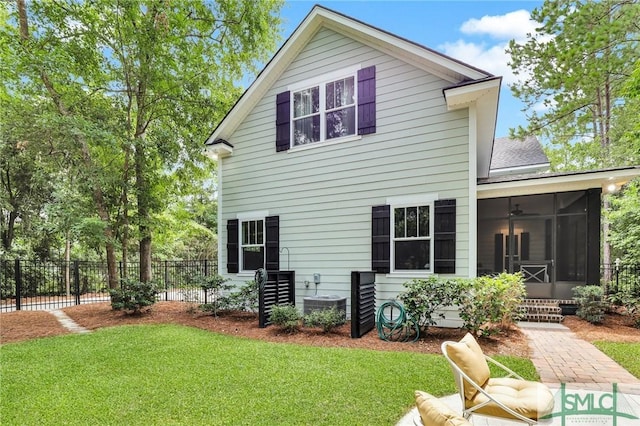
(325, 78)
(321, 83)
(412, 201)
(244, 217)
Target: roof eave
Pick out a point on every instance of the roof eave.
(542, 184)
(485, 95)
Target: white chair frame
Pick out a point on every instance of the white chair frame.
(459, 375)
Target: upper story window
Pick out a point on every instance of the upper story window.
(323, 112)
(337, 106)
(412, 240)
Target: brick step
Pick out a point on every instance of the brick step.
(541, 302)
(541, 309)
(544, 318)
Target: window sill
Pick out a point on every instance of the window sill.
(248, 274)
(421, 274)
(319, 144)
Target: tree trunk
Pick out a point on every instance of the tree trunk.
(125, 212)
(97, 193)
(144, 217)
(9, 232)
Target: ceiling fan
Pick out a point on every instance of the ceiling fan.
(516, 211)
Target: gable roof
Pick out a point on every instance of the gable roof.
(511, 156)
(420, 56)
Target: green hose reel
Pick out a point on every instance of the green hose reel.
(394, 324)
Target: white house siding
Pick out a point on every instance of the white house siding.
(324, 195)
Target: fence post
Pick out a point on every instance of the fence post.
(166, 280)
(18, 277)
(76, 280)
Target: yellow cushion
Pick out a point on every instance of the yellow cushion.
(468, 355)
(530, 399)
(434, 412)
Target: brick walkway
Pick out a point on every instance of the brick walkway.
(561, 357)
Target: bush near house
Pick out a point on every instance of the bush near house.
(327, 319)
(486, 304)
(423, 298)
(489, 304)
(286, 317)
(591, 303)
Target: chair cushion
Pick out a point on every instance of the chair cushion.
(468, 355)
(434, 412)
(530, 399)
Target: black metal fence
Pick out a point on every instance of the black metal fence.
(621, 277)
(35, 284)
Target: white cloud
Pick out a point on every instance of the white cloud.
(512, 25)
(493, 59)
(492, 56)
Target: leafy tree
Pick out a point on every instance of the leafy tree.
(574, 72)
(141, 83)
(625, 217)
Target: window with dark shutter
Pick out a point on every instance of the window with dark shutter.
(381, 239)
(283, 121)
(445, 237)
(367, 100)
(232, 246)
(272, 243)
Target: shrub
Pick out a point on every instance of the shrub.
(215, 288)
(630, 302)
(591, 304)
(133, 296)
(489, 304)
(327, 319)
(422, 298)
(286, 317)
(245, 299)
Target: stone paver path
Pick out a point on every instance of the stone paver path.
(68, 323)
(561, 357)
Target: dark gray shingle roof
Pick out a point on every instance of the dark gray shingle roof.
(508, 153)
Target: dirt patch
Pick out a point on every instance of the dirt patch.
(615, 328)
(97, 315)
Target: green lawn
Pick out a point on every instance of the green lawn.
(169, 374)
(625, 354)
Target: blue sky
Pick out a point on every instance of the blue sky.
(475, 32)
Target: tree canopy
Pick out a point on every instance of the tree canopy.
(579, 83)
(128, 91)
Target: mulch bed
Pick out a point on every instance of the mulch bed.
(23, 325)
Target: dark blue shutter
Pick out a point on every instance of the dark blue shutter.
(367, 100)
(232, 246)
(381, 239)
(272, 243)
(283, 121)
(444, 234)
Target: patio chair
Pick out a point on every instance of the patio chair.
(433, 412)
(509, 397)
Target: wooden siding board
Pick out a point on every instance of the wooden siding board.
(324, 195)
